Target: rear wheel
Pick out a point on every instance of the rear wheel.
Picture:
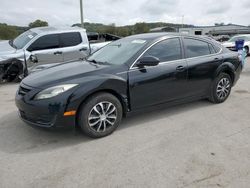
(100, 115)
(221, 88)
(247, 50)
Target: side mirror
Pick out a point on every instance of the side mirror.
(148, 61)
(33, 59)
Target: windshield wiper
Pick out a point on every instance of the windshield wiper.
(98, 62)
(92, 61)
(117, 45)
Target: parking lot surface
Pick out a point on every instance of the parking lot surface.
(191, 145)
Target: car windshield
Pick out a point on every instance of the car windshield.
(118, 52)
(233, 39)
(23, 39)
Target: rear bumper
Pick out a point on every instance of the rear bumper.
(237, 73)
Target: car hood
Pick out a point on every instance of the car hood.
(97, 46)
(64, 73)
(228, 44)
(6, 48)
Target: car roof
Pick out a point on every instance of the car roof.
(155, 36)
(46, 30)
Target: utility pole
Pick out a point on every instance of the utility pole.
(182, 21)
(81, 10)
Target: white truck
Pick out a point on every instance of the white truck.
(40, 48)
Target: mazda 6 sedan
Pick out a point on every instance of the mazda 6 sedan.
(132, 74)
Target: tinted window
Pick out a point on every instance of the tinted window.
(167, 50)
(212, 50)
(70, 39)
(46, 42)
(217, 48)
(195, 48)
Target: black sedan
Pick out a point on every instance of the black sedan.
(128, 75)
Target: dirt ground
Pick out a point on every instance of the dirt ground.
(192, 145)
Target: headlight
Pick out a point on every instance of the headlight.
(54, 91)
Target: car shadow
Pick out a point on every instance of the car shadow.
(162, 112)
(8, 83)
(17, 137)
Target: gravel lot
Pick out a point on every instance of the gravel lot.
(191, 145)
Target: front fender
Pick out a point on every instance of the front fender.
(108, 83)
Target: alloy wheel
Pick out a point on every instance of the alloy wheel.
(102, 116)
(223, 88)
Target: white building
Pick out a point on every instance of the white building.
(230, 29)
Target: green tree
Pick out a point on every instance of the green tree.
(111, 29)
(141, 28)
(38, 23)
(122, 31)
(7, 32)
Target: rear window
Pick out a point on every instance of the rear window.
(212, 50)
(70, 39)
(196, 48)
(217, 48)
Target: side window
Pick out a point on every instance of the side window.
(167, 50)
(70, 39)
(196, 48)
(217, 48)
(45, 42)
(211, 48)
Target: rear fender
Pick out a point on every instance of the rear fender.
(226, 67)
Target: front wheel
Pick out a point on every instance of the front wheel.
(221, 88)
(12, 73)
(100, 115)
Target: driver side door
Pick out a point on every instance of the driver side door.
(46, 49)
(162, 83)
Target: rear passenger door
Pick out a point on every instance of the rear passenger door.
(203, 58)
(74, 46)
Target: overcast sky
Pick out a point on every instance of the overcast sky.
(124, 12)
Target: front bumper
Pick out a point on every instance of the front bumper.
(47, 113)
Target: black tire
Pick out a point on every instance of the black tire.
(106, 124)
(220, 94)
(13, 74)
(247, 50)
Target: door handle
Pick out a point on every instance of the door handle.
(58, 53)
(180, 68)
(83, 49)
